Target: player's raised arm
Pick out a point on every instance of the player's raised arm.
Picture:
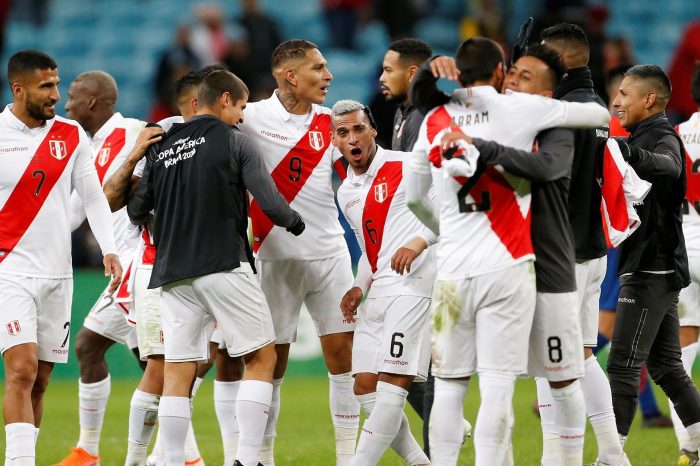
(121, 185)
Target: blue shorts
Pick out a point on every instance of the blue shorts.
(610, 288)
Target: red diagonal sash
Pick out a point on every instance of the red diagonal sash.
(293, 172)
(109, 151)
(377, 204)
(35, 184)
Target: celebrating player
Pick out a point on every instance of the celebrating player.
(293, 133)
(488, 290)
(44, 155)
(92, 97)
(392, 342)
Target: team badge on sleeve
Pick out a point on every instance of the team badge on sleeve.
(58, 149)
(316, 140)
(13, 327)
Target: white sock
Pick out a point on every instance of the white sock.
(36, 436)
(143, 417)
(267, 450)
(225, 394)
(345, 410)
(570, 411)
(191, 449)
(694, 435)
(688, 354)
(174, 415)
(92, 402)
(157, 450)
(551, 454)
(252, 408)
(491, 439)
(195, 387)
(19, 444)
(599, 409)
(382, 425)
(404, 444)
(447, 420)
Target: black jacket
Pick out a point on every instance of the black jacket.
(584, 191)
(407, 121)
(196, 182)
(657, 154)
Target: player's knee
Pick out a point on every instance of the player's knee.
(229, 369)
(86, 348)
(670, 377)
(21, 374)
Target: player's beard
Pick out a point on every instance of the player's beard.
(37, 111)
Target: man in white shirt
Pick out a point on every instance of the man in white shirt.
(292, 131)
(484, 284)
(92, 97)
(392, 339)
(42, 157)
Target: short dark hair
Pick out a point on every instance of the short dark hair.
(567, 33)
(26, 61)
(194, 78)
(550, 58)
(411, 51)
(695, 85)
(293, 49)
(476, 58)
(216, 83)
(654, 75)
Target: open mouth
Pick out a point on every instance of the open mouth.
(324, 90)
(356, 153)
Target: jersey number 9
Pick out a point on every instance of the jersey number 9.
(295, 168)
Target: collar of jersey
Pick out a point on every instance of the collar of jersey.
(11, 120)
(371, 171)
(283, 113)
(106, 129)
(467, 92)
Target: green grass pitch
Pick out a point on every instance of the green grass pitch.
(305, 435)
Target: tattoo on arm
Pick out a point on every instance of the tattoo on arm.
(118, 187)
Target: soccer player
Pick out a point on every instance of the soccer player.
(392, 339)
(488, 290)
(401, 62)
(292, 130)
(203, 258)
(689, 298)
(43, 156)
(92, 97)
(653, 260)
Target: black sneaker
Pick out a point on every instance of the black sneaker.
(238, 463)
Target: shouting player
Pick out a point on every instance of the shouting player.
(293, 131)
(392, 338)
(42, 157)
(92, 97)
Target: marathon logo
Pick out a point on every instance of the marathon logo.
(396, 362)
(622, 299)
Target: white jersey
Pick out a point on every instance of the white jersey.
(298, 154)
(38, 166)
(689, 132)
(110, 146)
(374, 204)
(489, 229)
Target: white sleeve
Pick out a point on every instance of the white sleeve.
(418, 181)
(85, 181)
(553, 113)
(76, 210)
(138, 169)
(363, 279)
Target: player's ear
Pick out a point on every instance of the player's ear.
(290, 76)
(650, 100)
(373, 132)
(412, 72)
(92, 101)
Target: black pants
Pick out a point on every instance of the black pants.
(646, 329)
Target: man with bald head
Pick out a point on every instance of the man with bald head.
(92, 98)
(653, 260)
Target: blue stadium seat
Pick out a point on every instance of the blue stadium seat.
(438, 32)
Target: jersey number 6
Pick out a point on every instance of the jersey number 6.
(371, 232)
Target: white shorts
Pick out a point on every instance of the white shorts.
(556, 351)
(589, 277)
(483, 323)
(320, 284)
(234, 299)
(108, 319)
(36, 310)
(147, 302)
(689, 299)
(392, 336)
